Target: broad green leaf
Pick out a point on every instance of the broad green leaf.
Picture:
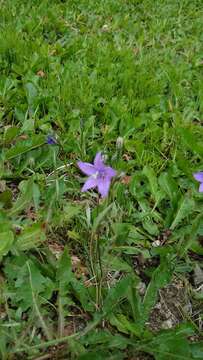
(98, 337)
(119, 342)
(24, 198)
(3, 343)
(36, 195)
(169, 186)
(101, 217)
(25, 289)
(160, 278)
(185, 208)
(197, 248)
(150, 174)
(174, 344)
(121, 231)
(6, 241)
(10, 134)
(149, 217)
(137, 188)
(115, 263)
(124, 325)
(197, 350)
(6, 198)
(82, 294)
(136, 305)
(116, 293)
(105, 337)
(150, 226)
(189, 140)
(116, 322)
(32, 93)
(24, 146)
(64, 270)
(190, 240)
(76, 347)
(70, 211)
(28, 126)
(31, 237)
(132, 250)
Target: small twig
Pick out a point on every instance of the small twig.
(199, 288)
(60, 168)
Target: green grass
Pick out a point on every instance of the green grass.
(96, 74)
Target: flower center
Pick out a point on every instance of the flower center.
(99, 174)
(95, 175)
(102, 174)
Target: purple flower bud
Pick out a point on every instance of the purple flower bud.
(51, 140)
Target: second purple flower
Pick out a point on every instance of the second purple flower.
(199, 177)
(99, 175)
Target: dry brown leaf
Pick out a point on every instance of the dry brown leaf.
(2, 185)
(56, 249)
(75, 261)
(126, 180)
(126, 157)
(23, 137)
(41, 73)
(78, 268)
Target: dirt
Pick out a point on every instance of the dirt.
(173, 307)
(178, 301)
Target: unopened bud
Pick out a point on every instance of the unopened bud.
(119, 142)
(105, 28)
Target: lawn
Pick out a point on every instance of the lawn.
(114, 272)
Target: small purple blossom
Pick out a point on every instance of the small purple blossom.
(199, 177)
(99, 175)
(51, 140)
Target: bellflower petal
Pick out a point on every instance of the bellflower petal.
(199, 176)
(110, 172)
(201, 188)
(86, 168)
(90, 183)
(103, 186)
(98, 161)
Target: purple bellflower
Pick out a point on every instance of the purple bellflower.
(199, 177)
(99, 175)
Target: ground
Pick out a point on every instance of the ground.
(84, 277)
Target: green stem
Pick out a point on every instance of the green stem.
(92, 238)
(41, 320)
(64, 339)
(46, 344)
